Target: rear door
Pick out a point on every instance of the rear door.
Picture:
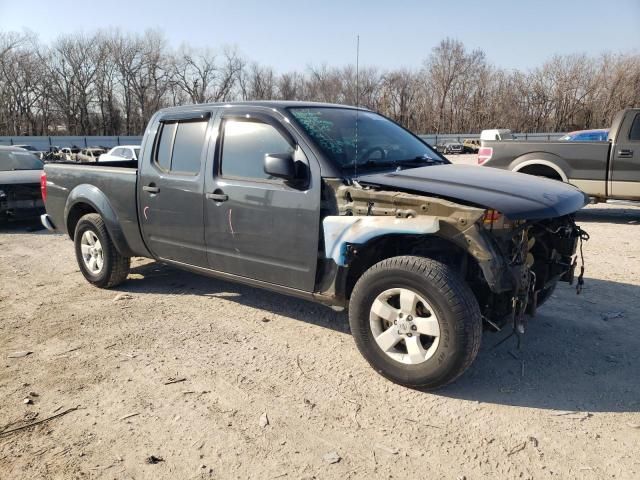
(170, 191)
(625, 164)
(258, 226)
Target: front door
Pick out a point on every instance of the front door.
(625, 167)
(170, 194)
(258, 226)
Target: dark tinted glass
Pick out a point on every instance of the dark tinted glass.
(244, 146)
(17, 160)
(187, 147)
(163, 154)
(379, 141)
(634, 134)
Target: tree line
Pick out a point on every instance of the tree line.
(110, 83)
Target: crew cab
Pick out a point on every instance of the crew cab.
(333, 204)
(602, 169)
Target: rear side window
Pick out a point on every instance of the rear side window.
(180, 146)
(165, 146)
(244, 146)
(634, 134)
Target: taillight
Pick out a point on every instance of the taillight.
(43, 186)
(484, 154)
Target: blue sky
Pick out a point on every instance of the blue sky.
(291, 35)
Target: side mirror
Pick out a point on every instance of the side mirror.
(280, 165)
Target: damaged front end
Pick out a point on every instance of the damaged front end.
(511, 266)
(539, 254)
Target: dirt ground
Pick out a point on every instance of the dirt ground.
(565, 406)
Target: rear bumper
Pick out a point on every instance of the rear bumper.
(47, 222)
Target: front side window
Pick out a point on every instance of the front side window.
(244, 146)
(348, 137)
(179, 149)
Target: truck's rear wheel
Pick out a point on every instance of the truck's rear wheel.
(415, 321)
(98, 259)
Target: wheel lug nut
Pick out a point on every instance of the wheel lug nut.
(409, 318)
(414, 328)
(409, 334)
(400, 315)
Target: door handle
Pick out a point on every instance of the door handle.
(625, 153)
(151, 188)
(217, 197)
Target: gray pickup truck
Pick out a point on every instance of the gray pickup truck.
(333, 204)
(603, 170)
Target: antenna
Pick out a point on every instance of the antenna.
(355, 159)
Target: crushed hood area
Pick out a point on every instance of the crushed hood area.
(516, 195)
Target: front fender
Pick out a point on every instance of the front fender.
(340, 231)
(91, 195)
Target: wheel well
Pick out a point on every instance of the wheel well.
(78, 211)
(381, 248)
(541, 171)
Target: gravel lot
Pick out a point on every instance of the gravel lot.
(183, 368)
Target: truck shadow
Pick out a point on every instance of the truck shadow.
(581, 352)
(620, 215)
(159, 278)
(14, 227)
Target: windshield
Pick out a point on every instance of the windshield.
(380, 142)
(17, 160)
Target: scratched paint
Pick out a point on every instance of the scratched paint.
(231, 223)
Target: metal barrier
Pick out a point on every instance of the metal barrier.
(43, 143)
(439, 139)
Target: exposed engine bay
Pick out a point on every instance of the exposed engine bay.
(511, 266)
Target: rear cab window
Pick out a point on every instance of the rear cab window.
(634, 132)
(180, 145)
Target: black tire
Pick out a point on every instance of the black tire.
(450, 298)
(115, 267)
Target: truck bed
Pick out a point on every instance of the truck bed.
(112, 183)
(584, 164)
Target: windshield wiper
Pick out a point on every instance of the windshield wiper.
(399, 163)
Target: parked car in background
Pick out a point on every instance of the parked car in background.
(471, 145)
(496, 134)
(69, 153)
(88, 155)
(418, 249)
(597, 135)
(20, 195)
(32, 149)
(453, 147)
(121, 153)
(603, 170)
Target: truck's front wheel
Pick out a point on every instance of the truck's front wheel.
(415, 321)
(98, 259)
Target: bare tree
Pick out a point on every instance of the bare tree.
(112, 82)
